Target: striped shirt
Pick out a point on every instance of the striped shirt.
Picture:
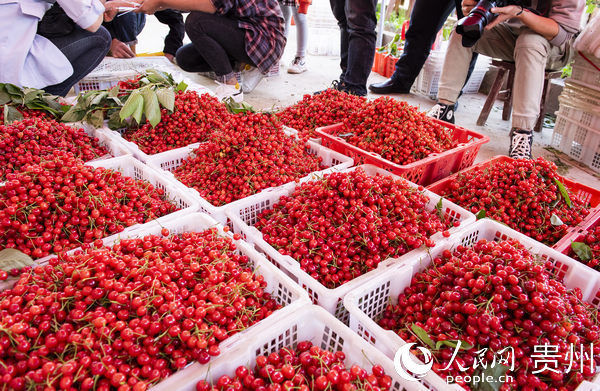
(263, 22)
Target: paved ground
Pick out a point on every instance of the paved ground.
(286, 89)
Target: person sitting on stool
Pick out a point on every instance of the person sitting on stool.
(535, 38)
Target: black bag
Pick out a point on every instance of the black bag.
(55, 23)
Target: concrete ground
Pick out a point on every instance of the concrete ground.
(286, 89)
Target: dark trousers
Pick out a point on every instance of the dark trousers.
(173, 19)
(217, 43)
(126, 27)
(357, 22)
(426, 20)
(84, 50)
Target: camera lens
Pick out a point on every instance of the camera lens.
(472, 26)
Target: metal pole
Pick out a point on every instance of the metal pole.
(381, 24)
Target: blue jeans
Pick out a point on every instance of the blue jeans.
(126, 28)
(357, 22)
(426, 20)
(84, 50)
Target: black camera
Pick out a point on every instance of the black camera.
(472, 26)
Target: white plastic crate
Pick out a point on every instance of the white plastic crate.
(112, 70)
(309, 323)
(428, 80)
(476, 78)
(577, 140)
(130, 167)
(585, 72)
(170, 160)
(282, 288)
(367, 302)
(326, 42)
(243, 216)
(585, 118)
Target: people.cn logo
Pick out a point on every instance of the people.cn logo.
(408, 367)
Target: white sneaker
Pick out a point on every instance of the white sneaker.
(298, 66)
(225, 91)
(251, 76)
(442, 112)
(521, 142)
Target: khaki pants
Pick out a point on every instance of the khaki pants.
(531, 53)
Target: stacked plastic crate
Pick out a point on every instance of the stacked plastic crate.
(577, 129)
(324, 33)
(428, 80)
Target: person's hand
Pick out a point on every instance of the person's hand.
(111, 8)
(150, 6)
(467, 6)
(120, 50)
(504, 14)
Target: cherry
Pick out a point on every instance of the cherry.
(591, 239)
(193, 119)
(345, 224)
(251, 154)
(310, 368)
(77, 319)
(396, 131)
(313, 111)
(49, 207)
(522, 194)
(35, 139)
(466, 295)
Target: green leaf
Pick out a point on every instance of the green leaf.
(114, 121)
(134, 103)
(98, 98)
(182, 86)
(13, 89)
(155, 76)
(583, 251)
(453, 344)
(11, 114)
(96, 118)
(73, 115)
(11, 258)
(166, 97)
(236, 108)
(30, 96)
(54, 105)
(4, 98)
(494, 374)
(88, 97)
(139, 111)
(114, 92)
(151, 107)
(439, 208)
(564, 192)
(481, 214)
(555, 220)
(116, 99)
(422, 335)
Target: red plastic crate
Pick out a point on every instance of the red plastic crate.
(422, 172)
(583, 193)
(382, 63)
(390, 66)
